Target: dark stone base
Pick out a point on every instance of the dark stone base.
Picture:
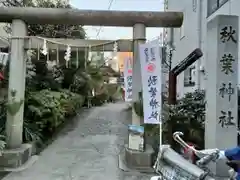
(130, 160)
(17, 159)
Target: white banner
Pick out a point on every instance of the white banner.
(128, 79)
(151, 69)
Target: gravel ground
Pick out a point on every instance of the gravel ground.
(88, 149)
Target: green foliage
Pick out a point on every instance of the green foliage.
(93, 78)
(69, 75)
(114, 91)
(187, 115)
(100, 97)
(48, 109)
(44, 78)
(45, 111)
(85, 80)
(70, 102)
(3, 114)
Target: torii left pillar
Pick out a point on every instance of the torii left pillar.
(14, 124)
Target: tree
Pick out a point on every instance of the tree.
(50, 31)
(187, 115)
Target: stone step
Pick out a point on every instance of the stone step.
(14, 158)
(24, 166)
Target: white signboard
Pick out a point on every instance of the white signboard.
(151, 70)
(128, 79)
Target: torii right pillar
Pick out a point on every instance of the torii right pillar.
(139, 37)
(222, 91)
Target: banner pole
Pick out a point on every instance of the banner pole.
(160, 136)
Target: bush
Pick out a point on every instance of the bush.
(44, 109)
(100, 97)
(114, 91)
(187, 115)
(44, 112)
(68, 79)
(48, 109)
(71, 102)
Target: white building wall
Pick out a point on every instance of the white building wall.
(193, 35)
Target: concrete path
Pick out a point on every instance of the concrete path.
(86, 151)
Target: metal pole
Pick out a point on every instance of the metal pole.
(17, 74)
(200, 8)
(172, 88)
(139, 37)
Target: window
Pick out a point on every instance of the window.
(214, 5)
(189, 74)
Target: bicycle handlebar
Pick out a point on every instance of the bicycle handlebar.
(207, 159)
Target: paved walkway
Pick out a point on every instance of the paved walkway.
(86, 151)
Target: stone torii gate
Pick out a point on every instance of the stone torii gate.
(20, 17)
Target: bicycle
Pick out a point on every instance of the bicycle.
(172, 166)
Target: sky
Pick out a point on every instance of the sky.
(114, 33)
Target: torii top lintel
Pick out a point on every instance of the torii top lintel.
(91, 17)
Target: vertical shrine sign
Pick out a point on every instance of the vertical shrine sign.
(151, 70)
(128, 79)
(222, 81)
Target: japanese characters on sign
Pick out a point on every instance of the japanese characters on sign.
(226, 63)
(128, 79)
(228, 34)
(227, 86)
(226, 119)
(151, 81)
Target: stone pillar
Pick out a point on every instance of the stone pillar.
(221, 86)
(139, 36)
(17, 73)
